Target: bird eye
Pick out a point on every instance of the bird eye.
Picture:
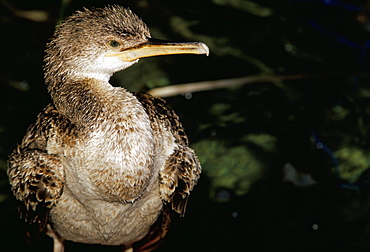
(113, 43)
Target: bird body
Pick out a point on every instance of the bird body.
(101, 164)
(118, 168)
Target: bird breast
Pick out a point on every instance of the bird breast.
(111, 192)
(115, 159)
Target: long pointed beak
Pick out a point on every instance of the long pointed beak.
(159, 47)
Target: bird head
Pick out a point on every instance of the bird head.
(96, 43)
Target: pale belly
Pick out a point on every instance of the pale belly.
(106, 223)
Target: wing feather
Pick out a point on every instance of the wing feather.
(36, 173)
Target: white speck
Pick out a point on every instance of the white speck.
(315, 227)
(319, 146)
(234, 214)
(290, 174)
(188, 96)
(213, 132)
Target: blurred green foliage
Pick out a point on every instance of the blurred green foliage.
(234, 168)
(353, 162)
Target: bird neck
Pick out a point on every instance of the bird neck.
(83, 100)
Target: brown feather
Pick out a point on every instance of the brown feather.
(36, 176)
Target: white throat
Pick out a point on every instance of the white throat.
(100, 68)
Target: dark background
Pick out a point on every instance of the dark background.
(316, 123)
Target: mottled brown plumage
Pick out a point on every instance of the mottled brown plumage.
(101, 165)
